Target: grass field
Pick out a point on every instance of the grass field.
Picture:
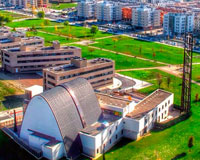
(8, 98)
(165, 144)
(12, 15)
(30, 23)
(49, 38)
(150, 50)
(196, 73)
(61, 6)
(121, 62)
(76, 32)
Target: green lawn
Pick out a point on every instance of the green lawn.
(196, 72)
(121, 62)
(165, 144)
(12, 15)
(150, 50)
(76, 31)
(30, 23)
(61, 6)
(8, 99)
(49, 38)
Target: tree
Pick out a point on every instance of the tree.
(66, 23)
(14, 29)
(94, 29)
(191, 142)
(140, 50)
(46, 22)
(114, 39)
(4, 19)
(41, 14)
(197, 97)
(159, 79)
(168, 81)
(154, 55)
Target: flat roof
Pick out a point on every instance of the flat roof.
(69, 67)
(111, 100)
(97, 127)
(41, 49)
(148, 104)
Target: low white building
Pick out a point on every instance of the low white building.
(71, 119)
(178, 23)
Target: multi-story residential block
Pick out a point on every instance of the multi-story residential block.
(178, 23)
(29, 59)
(99, 72)
(145, 17)
(109, 11)
(197, 24)
(127, 14)
(25, 3)
(14, 41)
(86, 9)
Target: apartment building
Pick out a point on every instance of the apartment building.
(145, 17)
(109, 11)
(15, 3)
(99, 72)
(197, 24)
(30, 59)
(86, 9)
(178, 23)
(14, 41)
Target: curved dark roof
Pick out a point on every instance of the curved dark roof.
(74, 105)
(86, 99)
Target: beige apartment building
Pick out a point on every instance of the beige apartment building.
(99, 72)
(28, 59)
(14, 41)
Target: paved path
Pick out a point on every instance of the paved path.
(136, 69)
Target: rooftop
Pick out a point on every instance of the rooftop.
(40, 49)
(148, 104)
(97, 127)
(69, 67)
(111, 100)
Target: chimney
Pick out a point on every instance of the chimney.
(56, 45)
(23, 48)
(79, 62)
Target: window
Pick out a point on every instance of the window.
(110, 141)
(116, 136)
(169, 102)
(165, 104)
(97, 150)
(110, 132)
(116, 127)
(162, 106)
(159, 109)
(124, 122)
(122, 132)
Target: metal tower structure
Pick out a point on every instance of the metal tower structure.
(187, 73)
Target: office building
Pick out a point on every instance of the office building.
(5, 33)
(14, 41)
(109, 11)
(99, 72)
(178, 23)
(29, 59)
(70, 119)
(86, 9)
(145, 17)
